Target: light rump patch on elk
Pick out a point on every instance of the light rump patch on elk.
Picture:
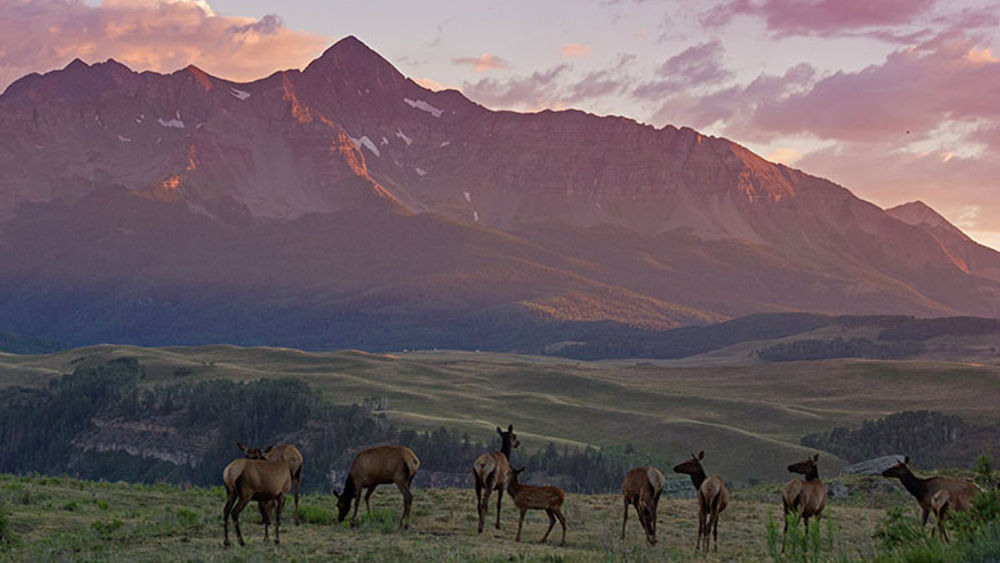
(376, 466)
(713, 497)
(293, 458)
(641, 488)
(491, 472)
(937, 495)
(527, 497)
(807, 498)
(254, 479)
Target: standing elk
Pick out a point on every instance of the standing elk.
(937, 495)
(491, 471)
(376, 466)
(254, 479)
(293, 458)
(713, 497)
(807, 497)
(641, 488)
(549, 499)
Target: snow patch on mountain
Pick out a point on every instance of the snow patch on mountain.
(174, 123)
(367, 143)
(423, 106)
(240, 94)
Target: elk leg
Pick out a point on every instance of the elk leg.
(404, 488)
(265, 515)
(236, 517)
(479, 501)
(297, 480)
(357, 504)
(701, 528)
(552, 523)
(784, 532)
(715, 531)
(230, 500)
(562, 520)
(923, 518)
(499, 500)
(625, 518)
(519, 524)
(368, 495)
(278, 506)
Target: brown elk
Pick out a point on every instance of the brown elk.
(293, 458)
(376, 466)
(937, 495)
(641, 488)
(805, 497)
(713, 497)
(549, 499)
(491, 471)
(254, 479)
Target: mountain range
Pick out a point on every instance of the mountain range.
(344, 205)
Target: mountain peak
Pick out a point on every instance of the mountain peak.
(918, 213)
(351, 61)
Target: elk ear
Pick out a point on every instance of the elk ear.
(499, 431)
(701, 455)
(906, 460)
(815, 458)
(268, 449)
(241, 447)
(510, 428)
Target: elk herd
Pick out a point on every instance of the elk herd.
(267, 475)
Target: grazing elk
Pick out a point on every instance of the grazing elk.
(806, 497)
(937, 495)
(491, 471)
(292, 457)
(641, 488)
(549, 499)
(376, 466)
(713, 497)
(254, 479)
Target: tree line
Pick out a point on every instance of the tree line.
(932, 439)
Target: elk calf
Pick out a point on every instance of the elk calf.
(713, 497)
(378, 466)
(254, 479)
(805, 497)
(549, 499)
(937, 495)
(641, 488)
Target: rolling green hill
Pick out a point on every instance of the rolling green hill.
(748, 415)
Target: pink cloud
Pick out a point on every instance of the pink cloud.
(483, 62)
(695, 67)
(575, 51)
(820, 17)
(914, 89)
(536, 91)
(147, 35)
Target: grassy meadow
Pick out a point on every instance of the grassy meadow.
(60, 518)
(747, 415)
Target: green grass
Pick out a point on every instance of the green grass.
(138, 523)
(747, 416)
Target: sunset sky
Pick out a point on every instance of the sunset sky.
(897, 100)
